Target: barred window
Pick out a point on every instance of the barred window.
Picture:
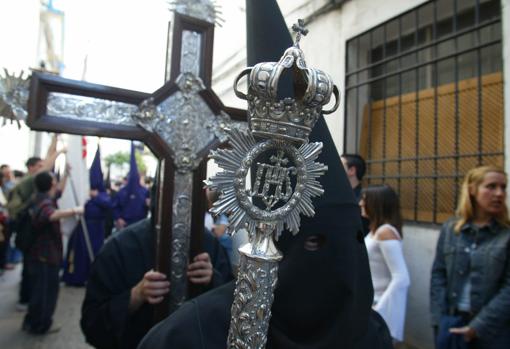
(424, 101)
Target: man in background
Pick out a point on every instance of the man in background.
(355, 169)
(45, 254)
(20, 198)
(8, 179)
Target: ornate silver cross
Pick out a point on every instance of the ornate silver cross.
(180, 122)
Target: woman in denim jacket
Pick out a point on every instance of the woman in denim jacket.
(470, 283)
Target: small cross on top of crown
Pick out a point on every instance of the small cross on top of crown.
(300, 29)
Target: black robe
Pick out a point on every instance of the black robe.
(203, 323)
(118, 267)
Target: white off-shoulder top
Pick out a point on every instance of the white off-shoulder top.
(390, 279)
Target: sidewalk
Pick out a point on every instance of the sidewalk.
(67, 314)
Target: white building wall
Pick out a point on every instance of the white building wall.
(419, 250)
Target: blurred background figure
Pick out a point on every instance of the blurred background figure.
(390, 278)
(4, 227)
(8, 179)
(131, 203)
(78, 258)
(355, 168)
(470, 283)
(19, 203)
(44, 254)
(218, 224)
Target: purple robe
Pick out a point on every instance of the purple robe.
(130, 204)
(77, 262)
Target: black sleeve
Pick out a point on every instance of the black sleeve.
(105, 307)
(105, 319)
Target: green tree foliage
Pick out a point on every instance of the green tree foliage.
(122, 157)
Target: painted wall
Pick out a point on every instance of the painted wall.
(419, 251)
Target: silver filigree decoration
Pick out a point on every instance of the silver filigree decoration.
(254, 292)
(236, 199)
(188, 126)
(181, 226)
(224, 122)
(90, 109)
(14, 91)
(190, 52)
(184, 121)
(205, 10)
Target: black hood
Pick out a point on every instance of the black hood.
(323, 297)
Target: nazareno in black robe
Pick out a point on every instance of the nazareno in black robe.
(118, 267)
(323, 298)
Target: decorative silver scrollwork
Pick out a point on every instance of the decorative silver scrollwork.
(190, 52)
(14, 96)
(188, 126)
(84, 108)
(181, 227)
(252, 301)
(184, 121)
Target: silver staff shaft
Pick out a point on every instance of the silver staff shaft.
(254, 294)
(82, 222)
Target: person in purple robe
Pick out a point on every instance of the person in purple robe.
(131, 203)
(79, 257)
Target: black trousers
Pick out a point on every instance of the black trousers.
(44, 280)
(25, 289)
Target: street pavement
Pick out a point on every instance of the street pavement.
(67, 314)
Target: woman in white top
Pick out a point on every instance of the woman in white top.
(390, 278)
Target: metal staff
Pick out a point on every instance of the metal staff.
(82, 222)
(285, 181)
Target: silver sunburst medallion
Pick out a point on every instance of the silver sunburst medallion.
(284, 184)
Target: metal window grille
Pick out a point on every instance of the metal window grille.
(424, 101)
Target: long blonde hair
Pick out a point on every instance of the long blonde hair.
(466, 208)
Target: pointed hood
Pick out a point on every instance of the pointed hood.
(323, 298)
(96, 174)
(133, 182)
(267, 38)
(108, 180)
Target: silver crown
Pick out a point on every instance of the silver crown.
(290, 119)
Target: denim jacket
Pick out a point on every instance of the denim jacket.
(484, 253)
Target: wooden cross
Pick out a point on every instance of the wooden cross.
(180, 123)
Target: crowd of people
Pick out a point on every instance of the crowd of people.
(470, 279)
(30, 225)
